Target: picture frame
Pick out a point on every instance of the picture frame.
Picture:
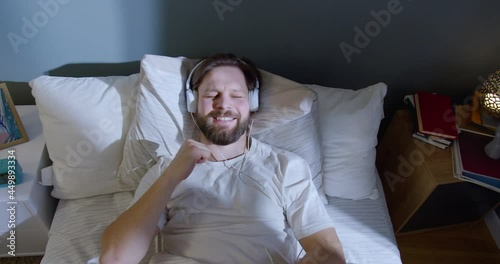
(11, 128)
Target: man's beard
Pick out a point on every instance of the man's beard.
(221, 135)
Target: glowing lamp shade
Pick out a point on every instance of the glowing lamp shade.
(490, 95)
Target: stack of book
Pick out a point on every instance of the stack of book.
(470, 162)
(435, 119)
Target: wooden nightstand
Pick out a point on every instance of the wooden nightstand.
(34, 207)
(419, 186)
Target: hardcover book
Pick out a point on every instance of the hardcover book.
(429, 141)
(435, 115)
(471, 162)
(432, 140)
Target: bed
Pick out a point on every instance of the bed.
(363, 226)
(104, 133)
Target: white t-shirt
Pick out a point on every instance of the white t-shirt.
(241, 210)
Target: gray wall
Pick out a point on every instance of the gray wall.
(445, 46)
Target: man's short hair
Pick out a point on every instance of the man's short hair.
(252, 75)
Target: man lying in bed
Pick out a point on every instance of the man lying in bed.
(226, 198)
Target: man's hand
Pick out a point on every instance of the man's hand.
(190, 154)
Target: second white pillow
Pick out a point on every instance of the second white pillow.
(349, 123)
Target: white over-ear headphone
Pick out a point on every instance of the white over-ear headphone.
(191, 95)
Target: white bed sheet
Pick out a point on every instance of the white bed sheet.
(363, 226)
(74, 236)
(365, 229)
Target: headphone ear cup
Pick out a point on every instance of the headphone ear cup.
(190, 94)
(191, 100)
(253, 98)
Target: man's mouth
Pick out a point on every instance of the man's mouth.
(223, 118)
(224, 121)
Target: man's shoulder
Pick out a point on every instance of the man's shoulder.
(267, 150)
(292, 166)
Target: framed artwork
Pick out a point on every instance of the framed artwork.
(11, 129)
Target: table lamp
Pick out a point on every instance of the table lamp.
(489, 98)
(489, 95)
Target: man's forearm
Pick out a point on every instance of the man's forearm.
(127, 239)
(322, 247)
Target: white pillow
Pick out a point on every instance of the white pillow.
(85, 121)
(162, 122)
(349, 123)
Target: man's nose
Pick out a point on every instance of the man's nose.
(221, 101)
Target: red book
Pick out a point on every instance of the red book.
(474, 159)
(435, 115)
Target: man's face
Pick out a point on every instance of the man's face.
(223, 107)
